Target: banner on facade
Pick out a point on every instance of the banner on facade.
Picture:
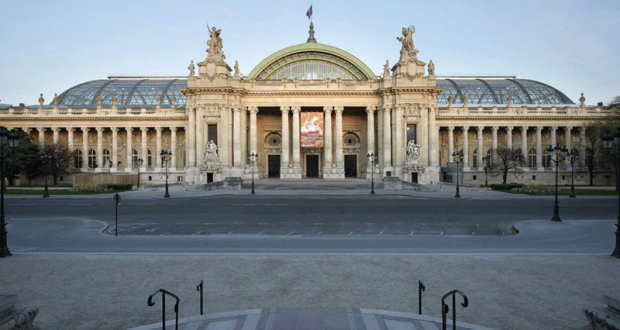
(311, 129)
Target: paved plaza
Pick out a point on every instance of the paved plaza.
(506, 290)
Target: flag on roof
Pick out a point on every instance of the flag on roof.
(309, 12)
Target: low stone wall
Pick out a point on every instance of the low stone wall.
(392, 183)
(229, 183)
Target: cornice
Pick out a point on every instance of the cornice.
(313, 93)
(89, 119)
(563, 118)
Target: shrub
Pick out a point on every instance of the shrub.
(504, 187)
(119, 186)
(89, 187)
(537, 187)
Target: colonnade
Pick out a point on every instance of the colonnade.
(509, 143)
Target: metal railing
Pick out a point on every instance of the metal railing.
(199, 288)
(421, 288)
(445, 309)
(150, 302)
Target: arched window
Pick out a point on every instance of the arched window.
(531, 158)
(92, 158)
(77, 159)
(351, 139)
(134, 157)
(546, 158)
(106, 156)
(149, 158)
(474, 158)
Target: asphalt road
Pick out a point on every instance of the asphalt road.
(311, 215)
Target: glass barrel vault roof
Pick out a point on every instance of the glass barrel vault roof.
(143, 92)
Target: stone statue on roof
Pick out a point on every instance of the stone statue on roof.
(582, 100)
(41, 100)
(237, 73)
(408, 50)
(55, 101)
(386, 69)
(431, 68)
(215, 44)
(114, 100)
(191, 69)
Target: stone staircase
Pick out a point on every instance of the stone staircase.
(13, 318)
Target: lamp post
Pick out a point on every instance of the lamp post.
(458, 158)
(572, 157)
(139, 161)
(371, 159)
(557, 152)
(252, 156)
(608, 144)
(12, 138)
(46, 156)
(165, 157)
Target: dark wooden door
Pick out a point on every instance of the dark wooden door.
(414, 177)
(274, 166)
(350, 166)
(312, 166)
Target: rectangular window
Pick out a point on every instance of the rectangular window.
(411, 134)
(212, 133)
(533, 177)
(474, 178)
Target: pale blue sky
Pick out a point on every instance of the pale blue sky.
(50, 46)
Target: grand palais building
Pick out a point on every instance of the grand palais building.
(310, 111)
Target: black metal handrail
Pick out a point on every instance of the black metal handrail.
(445, 309)
(150, 302)
(199, 288)
(421, 288)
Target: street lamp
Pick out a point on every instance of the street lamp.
(458, 158)
(139, 161)
(557, 152)
(165, 157)
(572, 157)
(46, 156)
(252, 156)
(13, 140)
(608, 144)
(371, 159)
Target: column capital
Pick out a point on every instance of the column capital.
(554, 128)
(173, 129)
(338, 110)
(296, 110)
(144, 129)
(480, 128)
(583, 129)
(568, 128)
(71, 129)
(386, 108)
(84, 129)
(451, 128)
(159, 129)
(41, 129)
(129, 129)
(99, 129)
(253, 110)
(55, 129)
(509, 128)
(328, 109)
(371, 109)
(238, 108)
(523, 128)
(465, 128)
(284, 110)
(538, 128)
(495, 128)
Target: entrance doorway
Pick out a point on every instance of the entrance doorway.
(273, 166)
(209, 177)
(312, 166)
(414, 177)
(350, 166)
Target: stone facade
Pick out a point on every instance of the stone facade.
(228, 116)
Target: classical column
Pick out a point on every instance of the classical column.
(450, 144)
(329, 153)
(237, 137)
(191, 139)
(129, 161)
(100, 164)
(480, 160)
(524, 151)
(144, 151)
(173, 148)
(509, 137)
(338, 139)
(387, 137)
(253, 132)
(399, 145)
(200, 129)
(55, 131)
(380, 125)
(539, 148)
(567, 141)
(285, 141)
(296, 146)
(70, 131)
(432, 136)
(158, 149)
(370, 120)
(84, 148)
(422, 135)
(582, 146)
(114, 149)
(244, 138)
(494, 143)
(553, 135)
(465, 148)
(41, 136)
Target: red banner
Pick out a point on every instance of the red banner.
(311, 129)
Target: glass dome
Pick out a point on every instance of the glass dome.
(130, 93)
(311, 69)
(496, 90)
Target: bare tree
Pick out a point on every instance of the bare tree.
(60, 162)
(507, 160)
(490, 167)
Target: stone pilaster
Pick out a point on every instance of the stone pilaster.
(339, 156)
(129, 161)
(84, 149)
(370, 132)
(582, 147)
(200, 139)
(494, 130)
(432, 137)
(173, 148)
(450, 144)
(567, 142)
(509, 137)
(524, 151)
(70, 131)
(191, 138)
(329, 153)
(41, 136)
(158, 149)
(465, 148)
(553, 135)
(286, 149)
(387, 140)
(100, 164)
(539, 166)
(296, 142)
(237, 138)
(144, 149)
(480, 149)
(114, 166)
(55, 131)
